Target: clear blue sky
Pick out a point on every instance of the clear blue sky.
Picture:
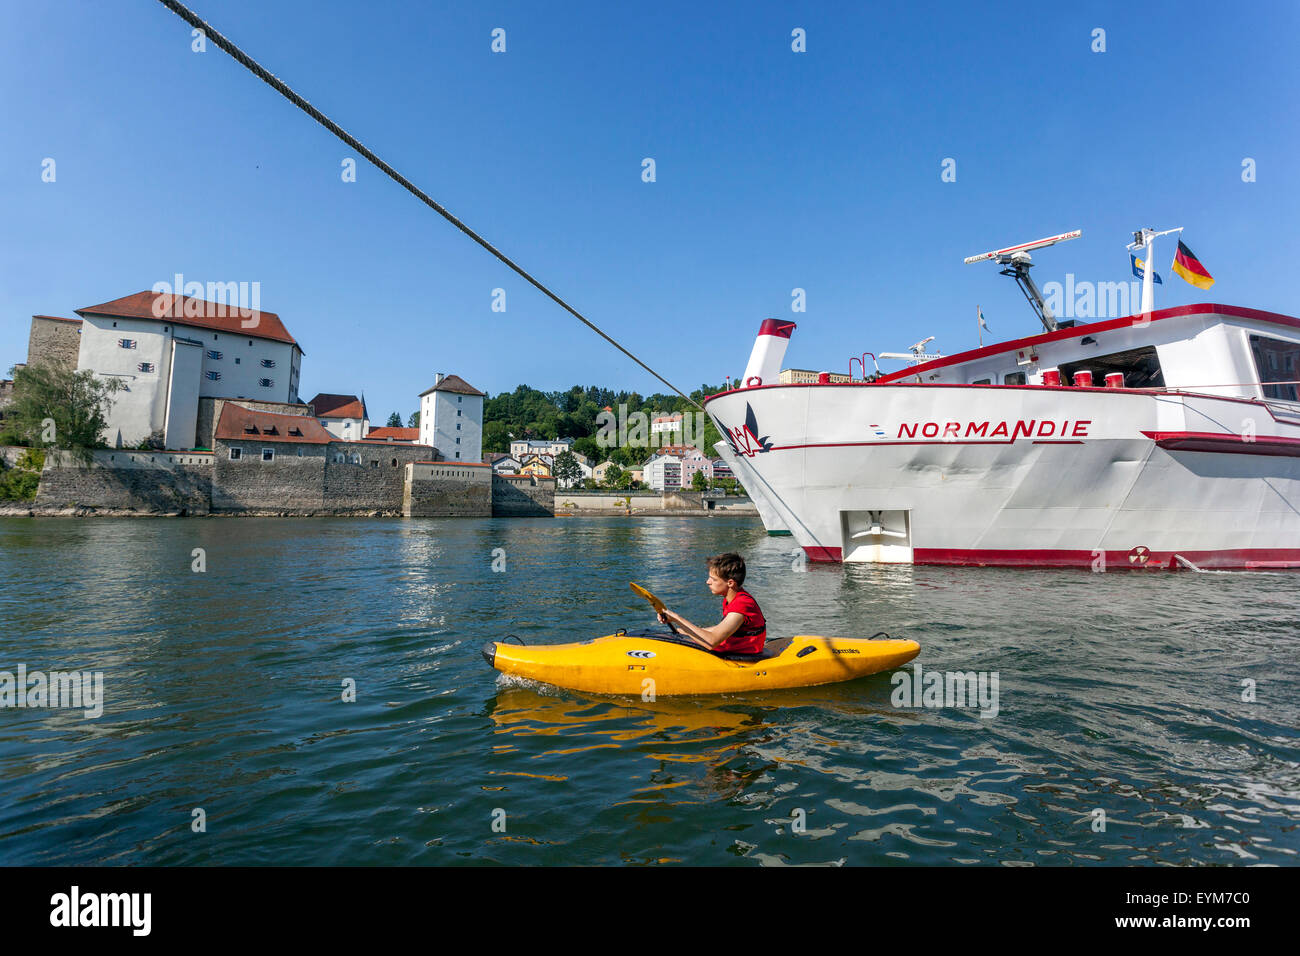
(775, 170)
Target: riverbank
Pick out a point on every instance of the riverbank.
(507, 500)
(676, 504)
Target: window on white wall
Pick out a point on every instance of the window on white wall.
(214, 355)
(126, 343)
(212, 375)
(146, 366)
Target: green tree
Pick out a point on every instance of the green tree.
(394, 421)
(566, 469)
(613, 475)
(20, 482)
(496, 437)
(414, 420)
(699, 482)
(587, 447)
(55, 407)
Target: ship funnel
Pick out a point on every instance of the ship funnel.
(769, 349)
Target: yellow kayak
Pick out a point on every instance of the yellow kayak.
(658, 664)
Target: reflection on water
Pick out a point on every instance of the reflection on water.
(1124, 694)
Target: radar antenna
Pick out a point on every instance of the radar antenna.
(915, 353)
(1016, 263)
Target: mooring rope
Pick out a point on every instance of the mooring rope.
(210, 33)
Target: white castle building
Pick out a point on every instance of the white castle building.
(451, 418)
(168, 351)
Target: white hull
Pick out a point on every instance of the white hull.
(1024, 476)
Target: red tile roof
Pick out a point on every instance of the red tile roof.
(394, 434)
(244, 424)
(57, 318)
(186, 310)
(338, 406)
(453, 383)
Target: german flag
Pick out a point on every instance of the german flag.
(1189, 267)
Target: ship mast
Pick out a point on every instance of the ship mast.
(1016, 263)
(1143, 240)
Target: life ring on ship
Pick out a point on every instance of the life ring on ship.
(753, 380)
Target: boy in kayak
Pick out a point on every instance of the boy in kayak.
(742, 629)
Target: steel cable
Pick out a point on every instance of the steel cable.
(210, 33)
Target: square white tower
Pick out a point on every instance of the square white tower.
(451, 418)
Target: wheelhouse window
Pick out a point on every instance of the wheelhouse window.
(1277, 363)
(1140, 367)
(1013, 378)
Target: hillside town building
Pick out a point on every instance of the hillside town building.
(666, 425)
(502, 463)
(520, 447)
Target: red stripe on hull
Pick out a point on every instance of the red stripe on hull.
(1224, 443)
(1248, 559)
(823, 554)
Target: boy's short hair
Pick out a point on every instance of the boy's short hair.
(729, 567)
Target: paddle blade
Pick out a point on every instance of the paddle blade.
(658, 604)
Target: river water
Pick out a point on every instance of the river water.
(1141, 718)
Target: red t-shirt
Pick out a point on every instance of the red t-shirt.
(753, 632)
